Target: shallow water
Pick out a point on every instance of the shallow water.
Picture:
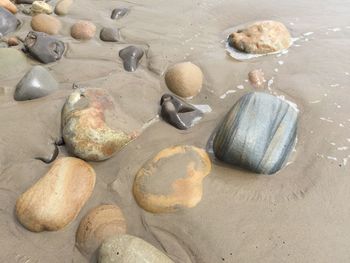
(298, 215)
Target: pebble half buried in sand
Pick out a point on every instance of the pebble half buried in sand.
(131, 56)
(258, 133)
(46, 23)
(130, 249)
(98, 225)
(63, 6)
(84, 127)
(37, 83)
(44, 47)
(57, 198)
(172, 179)
(83, 30)
(261, 38)
(184, 79)
(8, 22)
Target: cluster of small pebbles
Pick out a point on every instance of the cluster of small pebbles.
(258, 133)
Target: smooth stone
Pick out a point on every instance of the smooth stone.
(130, 249)
(83, 30)
(172, 180)
(257, 78)
(46, 23)
(44, 47)
(37, 83)
(63, 7)
(179, 113)
(184, 79)
(110, 34)
(131, 56)
(39, 7)
(119, 13)
(8, 22)
(261, 38)
(13, 41)
(12, 63)
(57, 198)
(258, 133)
(84, 127)
(99, 224)
(9, 6)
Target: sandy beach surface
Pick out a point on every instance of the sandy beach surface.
(300, 214)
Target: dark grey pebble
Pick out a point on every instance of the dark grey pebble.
(110, 34)
(36, 83)
(8, 22)
(119, 12)
(179, 113)
(25, 1)
(131, 56)
(258, 133)
(44, 47)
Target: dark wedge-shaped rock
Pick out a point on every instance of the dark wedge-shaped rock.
(108, 34)
(119, 12)
(131, 56)
(258, 133)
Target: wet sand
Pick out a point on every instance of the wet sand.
(297, 215)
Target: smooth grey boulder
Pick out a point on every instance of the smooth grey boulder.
(8, 22)
(44, 47)
(258, 133)
(130, 249)
(36, 83)
(110, 34)
(131, 56)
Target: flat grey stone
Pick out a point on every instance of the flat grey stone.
(8, 22)
(258, 133)
(110, 34)
(36, 83)
(131, 56)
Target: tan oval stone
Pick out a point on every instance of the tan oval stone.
(56, 199)
(63, 6)
(99, 224)
(84, 127)
(130, 249)
(46, 23)
(172, 179)
(261, 38)
(9, 6)
(184, 79)
(83, 30)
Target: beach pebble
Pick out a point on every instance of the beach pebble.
(44, 47)
(12, 63)
(63, 6)
(172, 179)
(179, 113)
(131, 56)
(257, 78)
(130, 249)
(184, 79)
(110, 34)
(119, 13)
(84, 127)
(46, 23)
(8, 22)
(258, 133)
(37, 83)
(83, 30)
(261, 38)
(56, 199)
(9, 6)
(98, 225)
(13, 41)
(39, 7)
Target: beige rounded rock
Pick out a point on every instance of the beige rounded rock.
(63, 6)
(257, 78)
(98, 225)
(261, 38)
(57, 198)
(9, 6)
(184, 79)
(85, 127)
(172, 179)
(83, 30)
(130, 249)
(46, 23)
(39, 7)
